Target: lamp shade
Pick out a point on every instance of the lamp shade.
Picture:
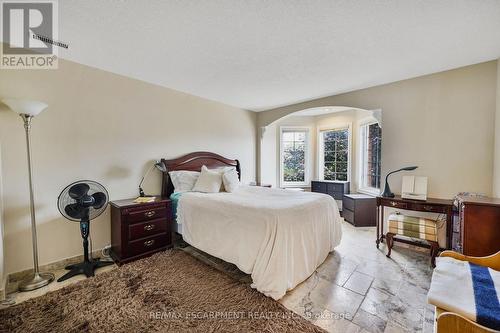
(22, 106)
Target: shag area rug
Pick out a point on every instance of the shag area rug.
(168, 292)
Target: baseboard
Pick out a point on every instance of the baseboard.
(3, 287)
(53, 266)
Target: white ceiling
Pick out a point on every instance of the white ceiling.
(259, 54)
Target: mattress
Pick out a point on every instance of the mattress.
(279, 237)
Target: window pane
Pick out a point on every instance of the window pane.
(294, 154)
(288, 136)
(329, 157)
(342, 176)
(329, 171)
(328, 136)
(342, 144)
(300, 136)
(341, 157)
(329, 146)
(372, 145)
(341, 167)
(335, 154)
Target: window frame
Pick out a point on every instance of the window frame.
(307, 160)
(361, 188)
(320, 152)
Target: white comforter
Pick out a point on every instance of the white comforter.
(279, 237)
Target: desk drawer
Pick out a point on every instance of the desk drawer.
(147, 214)
(395, 204)
(145, 229)
(147, 244)
(430, 208)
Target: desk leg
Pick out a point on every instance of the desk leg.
(381, 224)
(449, 229)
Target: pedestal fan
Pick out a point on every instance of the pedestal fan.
(83, 201)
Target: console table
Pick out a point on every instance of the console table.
(440, 206)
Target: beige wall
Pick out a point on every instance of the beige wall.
(443, 122)
(107, 128)
(496, 180)
(2, 255)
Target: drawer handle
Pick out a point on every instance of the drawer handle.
(150, 213)
(428, 207)
(394, 203)
(149, 243)
(149, 227)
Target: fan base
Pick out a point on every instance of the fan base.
(86, 267)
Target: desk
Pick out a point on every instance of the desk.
(440, 206)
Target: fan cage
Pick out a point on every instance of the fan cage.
(64, 199)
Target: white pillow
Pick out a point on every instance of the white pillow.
(221, 170)
(183, 181)
(230, 180)
(209, 181)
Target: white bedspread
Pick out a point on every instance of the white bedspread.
(279, 237)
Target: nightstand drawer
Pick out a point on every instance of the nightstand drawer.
(147, 244)
(146, 214)
(348, 215)
(145, 229)
(347, 203)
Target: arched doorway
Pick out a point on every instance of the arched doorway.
(326, 143)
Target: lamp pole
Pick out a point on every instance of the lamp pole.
(38, 279)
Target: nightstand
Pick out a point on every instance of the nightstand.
(139, 230)
(360, 210)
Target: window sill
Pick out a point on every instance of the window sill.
(295, 185)
(369, 191)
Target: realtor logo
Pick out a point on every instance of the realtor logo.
(28, 33)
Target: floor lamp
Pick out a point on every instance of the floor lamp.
(27, 110)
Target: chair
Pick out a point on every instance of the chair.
(450, 322)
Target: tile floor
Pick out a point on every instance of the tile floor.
(357, 288)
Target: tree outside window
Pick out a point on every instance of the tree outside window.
(334, 150)
(294, 155)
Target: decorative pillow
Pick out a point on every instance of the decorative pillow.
(230, 180)
(183, 181)
(209, 181)
(222, 170)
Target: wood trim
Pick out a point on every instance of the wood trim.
(450, 322)
(193, 162)
(492, 261)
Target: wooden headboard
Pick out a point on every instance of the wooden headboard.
(194, 162)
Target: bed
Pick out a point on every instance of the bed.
(279, 237)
